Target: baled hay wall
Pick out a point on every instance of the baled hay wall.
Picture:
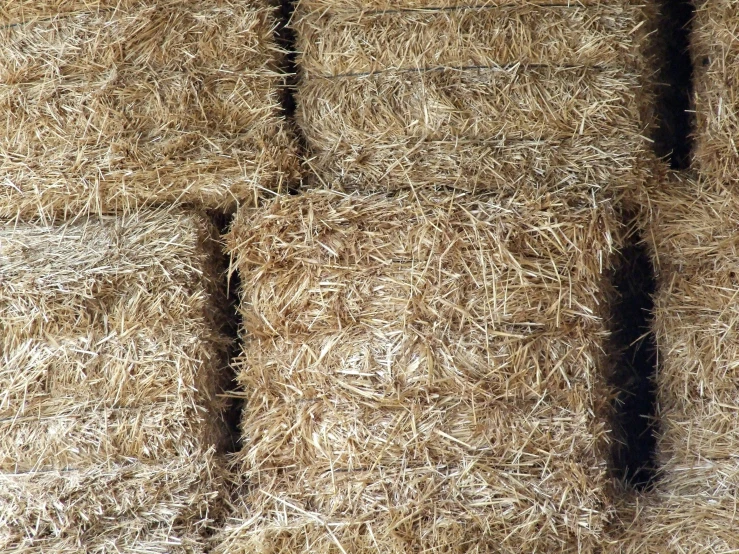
(111, 105)
(716, 70)
(692, 234)
(111, 361)
(479, 96)
(421, 374)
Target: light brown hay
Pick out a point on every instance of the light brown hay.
(110, 362)
(692, 235)
(114, 105)
(383, 91)
(716, 69)
(422, 374)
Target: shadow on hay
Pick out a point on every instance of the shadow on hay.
(632, 347)
(634, 353)
(672, 136)
(232, 325)
(287, 40)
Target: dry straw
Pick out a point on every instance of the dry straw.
(111, 365)
(486, 95)
(111, 105)
(716, 63)
(692, 232)
(422, 374)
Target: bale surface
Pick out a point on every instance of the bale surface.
(111, 361)
(692, 235)
(385, 93)
(422, 374)
(716, 61)
(115, 105)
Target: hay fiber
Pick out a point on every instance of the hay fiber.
(113, 105)
(422, 374)
(715, 53)
(692, 234)
(111, 366)
(482, 96)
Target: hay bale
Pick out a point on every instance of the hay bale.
(490, 95)
(112, 105)
(716, 69)
(692, 234)
(111, 360)
(422, 373)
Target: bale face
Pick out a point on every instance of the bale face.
(422, 374)
(111, 361)
(418, 97)
(694, 245)
(115, 107)
(715, 52)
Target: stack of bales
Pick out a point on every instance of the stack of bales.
(422, 374)
(480, 95)
(691, 227)
(115, 104)
(111, 424)
(111, 364)
(692, 233)
(424, 370)
(716, 63)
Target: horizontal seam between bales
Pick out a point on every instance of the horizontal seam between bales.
(89, 407)
(569, 5)
(461, 68)
(69, 15)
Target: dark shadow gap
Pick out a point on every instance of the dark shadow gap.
(634, 356)
(672, 135)
(287, 40)
(232, 326)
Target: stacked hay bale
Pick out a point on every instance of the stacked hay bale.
(716, 62)
(691, 224)
(115, 104)
(422, 374)
(478, 95)
(111, 362)
(423, 370)
(692, 234)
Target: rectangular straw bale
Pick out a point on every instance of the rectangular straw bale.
(114, 105)
(692, 235)
(716, 63)
(111, 359)
(422, 374)
(384, 90)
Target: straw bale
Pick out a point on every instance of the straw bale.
(375, 105)
(422, 374)
(692, 234)
(116, 105)
(111, 362)
(716, 63)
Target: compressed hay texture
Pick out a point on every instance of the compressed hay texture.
(490, 95)
(422, 374)
(111, 362)
(716, 63)
(112, 105)
(693, 238)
